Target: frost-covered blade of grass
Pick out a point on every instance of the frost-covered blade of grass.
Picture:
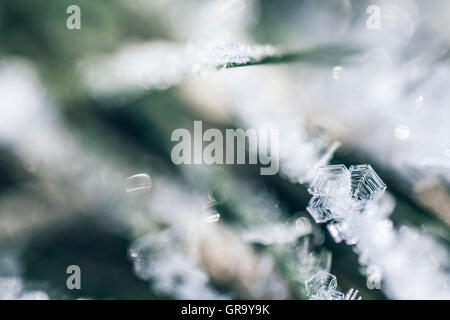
(159, 65)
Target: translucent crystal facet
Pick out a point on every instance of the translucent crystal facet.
(331, 181)
(336, 295)
(322, 282)
(321, 209)
(366, 184)
(328, 295)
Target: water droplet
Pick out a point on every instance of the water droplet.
(138, 182)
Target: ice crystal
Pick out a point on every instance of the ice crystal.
(366, 184)
(322, 281)
(330, 180)
(323, 286)
(354, 192)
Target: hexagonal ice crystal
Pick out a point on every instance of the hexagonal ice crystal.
(320, 283)
(366, 184)
(331, 181)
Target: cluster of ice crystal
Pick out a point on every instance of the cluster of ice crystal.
(341, 196)
(338, 193)
(323, 286)
(412, 265)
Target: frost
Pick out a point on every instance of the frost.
(159, 65)
(160, 258)
(138, 182)
(322, 281)
(278, 233)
